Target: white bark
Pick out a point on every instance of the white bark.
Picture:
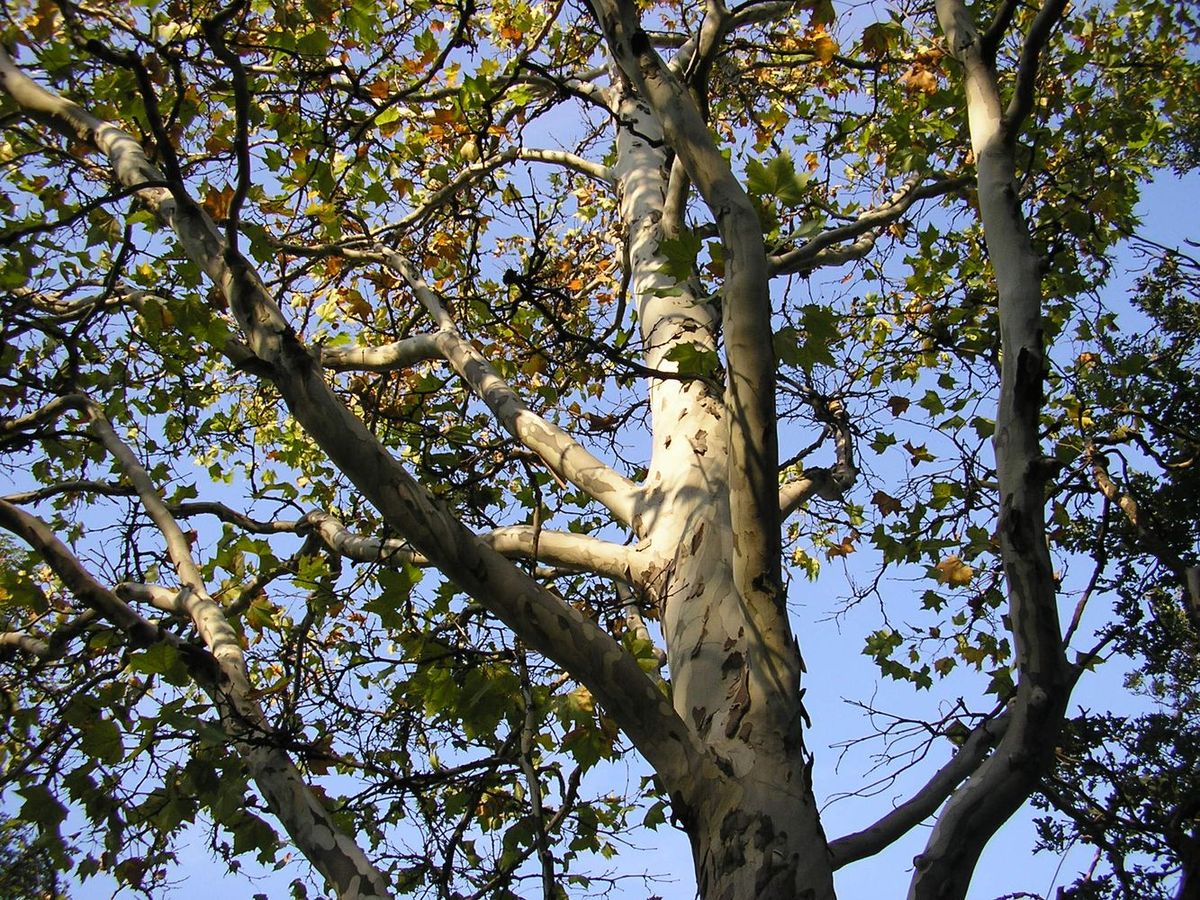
(1003, 783)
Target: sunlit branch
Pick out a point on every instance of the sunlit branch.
(161, 598)
(1021, 101)
(827, 483)
(576, 552)
(382, 358)
(924, 802)
(822, 250)
(564, 456)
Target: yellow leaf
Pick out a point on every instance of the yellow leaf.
(954, 572)
(823, 48)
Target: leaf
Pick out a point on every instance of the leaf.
(886, 503)
(693, 359)
(954, 572)
(844, 548)
(217, 203)
(917, 453)
(919, 80)
(41, 807)
(102, 741)
(898, 405)
(680, 253)
(777, 178)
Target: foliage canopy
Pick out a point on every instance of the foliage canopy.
(409, 408)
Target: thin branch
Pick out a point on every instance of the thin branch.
(831, 483)
(924, 802)
(561, 453)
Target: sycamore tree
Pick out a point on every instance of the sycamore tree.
(393, 397)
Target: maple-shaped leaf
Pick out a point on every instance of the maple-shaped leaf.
(918, 453)
(886, 503)
(898, 405)
(953, 571)
(216, 203)
(845, 548)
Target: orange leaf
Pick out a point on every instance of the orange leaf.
(845, 548)
(216, 203)
(919, 79)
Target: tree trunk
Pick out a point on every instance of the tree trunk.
(751, 818)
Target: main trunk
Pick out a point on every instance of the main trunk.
(751, 816)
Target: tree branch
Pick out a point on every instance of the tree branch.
(576, 552)
(821, 250)
(543, 620)
(923, 803)
(1044, 679)
(384, 357)
(562, 454)
(1021, 102)
(831, 483)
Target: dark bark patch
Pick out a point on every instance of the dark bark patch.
(733, 662)
(697, 538)
(739, 693)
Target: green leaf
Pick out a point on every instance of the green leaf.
(41, 807)
(680, 253)
(102, 741)
(693, 359)
(778, 179)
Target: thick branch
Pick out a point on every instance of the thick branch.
(1004, 782)
(1021, 101)
(831, 483)
(746, 308)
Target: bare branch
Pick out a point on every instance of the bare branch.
(831, 483)
(575, 552)
(383, 358)
(925, 801)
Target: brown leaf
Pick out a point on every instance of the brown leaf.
(886, 503)
(216, 203)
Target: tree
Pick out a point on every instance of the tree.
(383, 469)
